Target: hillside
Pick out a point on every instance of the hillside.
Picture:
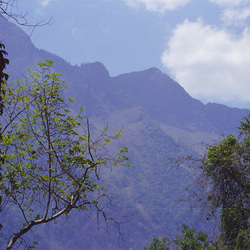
(159, 119)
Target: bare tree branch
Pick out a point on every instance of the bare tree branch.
(9, 9)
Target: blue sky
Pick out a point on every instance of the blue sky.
(202, 44)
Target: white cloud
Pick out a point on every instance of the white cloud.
(229, 3)
(209, 63)
(235, 17)
(157, 5)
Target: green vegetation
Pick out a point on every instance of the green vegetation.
(3, 78)
(50, 161)
(225, 174)
(155, 115)
(158, 244)
(188, 240)
(225, 179)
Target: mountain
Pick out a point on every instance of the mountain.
(159, 119)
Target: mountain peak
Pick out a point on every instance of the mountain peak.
(153, 70)
(95, 67)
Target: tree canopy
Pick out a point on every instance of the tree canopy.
(51, 161)
(3, 76)
(187, 240)
(224, 189)
(226, 177)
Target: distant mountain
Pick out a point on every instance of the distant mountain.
(159, 120)
(163, 99)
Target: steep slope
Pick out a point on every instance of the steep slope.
(159, 121)
(167, 102)
(163, 99)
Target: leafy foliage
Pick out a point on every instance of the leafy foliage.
(224, 186)
(51, 163)
(243, 240)
(3, 76)
(225, 173)
(158, 244)
(188, 240)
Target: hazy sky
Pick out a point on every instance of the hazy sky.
(202, 44)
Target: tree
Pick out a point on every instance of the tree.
(9, 9)
(3, 78)
(189, 241)
(243, 240)
(51, 162)
(224, 189)
(158, 244)
(226, 177)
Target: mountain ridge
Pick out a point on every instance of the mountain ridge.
(159, 120)
(142, 86)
